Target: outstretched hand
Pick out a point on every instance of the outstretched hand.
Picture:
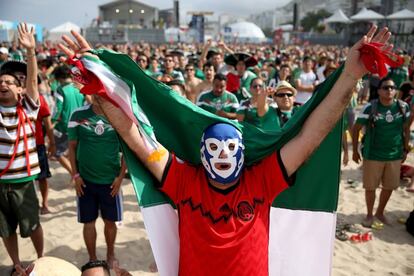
(353, 64)
(26, 36)
(75, 48)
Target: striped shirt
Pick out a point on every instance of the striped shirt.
(9, 119)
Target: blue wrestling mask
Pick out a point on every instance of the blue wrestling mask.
(222, 152)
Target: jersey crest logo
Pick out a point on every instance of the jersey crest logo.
(99, 128)
(245, 211)
(388, 117)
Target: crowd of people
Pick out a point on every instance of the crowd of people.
(263, 85)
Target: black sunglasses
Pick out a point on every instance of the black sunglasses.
(282, 95)
(388, 87)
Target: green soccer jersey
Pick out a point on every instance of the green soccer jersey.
(384, 140)
(399, 75)
(249, 112)
(244, 91)
(68, 98)
(97, 153)
(226, 102)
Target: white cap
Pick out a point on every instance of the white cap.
(4, 51)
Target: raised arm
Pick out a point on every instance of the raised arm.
(329, 111)
(203, 57)
(118, 119)
(262, 105)
(26, 39)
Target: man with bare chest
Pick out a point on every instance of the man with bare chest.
(207, 84)
(191, 83)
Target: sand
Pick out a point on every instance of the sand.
(391, 252)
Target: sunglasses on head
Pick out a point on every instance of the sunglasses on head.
(388, 87)
(282, 95)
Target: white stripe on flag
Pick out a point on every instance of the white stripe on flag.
(115, 88)
(161, 223)
(301, 242)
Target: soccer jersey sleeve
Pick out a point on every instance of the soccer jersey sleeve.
(363, 116)
(275, 176)
(73, 127)
(177, 175)
(59, 104)
(234, 104)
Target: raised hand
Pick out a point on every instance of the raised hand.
(26, 36)
(353, 64)
(74, 48)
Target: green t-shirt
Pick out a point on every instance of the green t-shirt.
(398, 75)
(68, 98)
(384, 141)
(249, 112)
(199, 74)
(98, 148)
(244, 91)
(226, 102)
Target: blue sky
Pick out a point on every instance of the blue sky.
(50, 13)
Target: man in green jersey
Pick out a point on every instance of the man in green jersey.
(384, 147)
(218, 100)
(94, 153)
(68, 98)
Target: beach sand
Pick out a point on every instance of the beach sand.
(391, 252)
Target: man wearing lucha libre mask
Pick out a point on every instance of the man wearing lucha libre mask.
(223, 207)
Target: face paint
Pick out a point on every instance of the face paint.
(222, 152)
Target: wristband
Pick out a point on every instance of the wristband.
(75, 176)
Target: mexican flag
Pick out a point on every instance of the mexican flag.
(303, 217)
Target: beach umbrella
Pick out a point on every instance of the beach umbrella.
(404, 14)
(367, 15)
(338, 17)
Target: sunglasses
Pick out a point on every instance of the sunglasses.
(282, 95)
(189, 69)
(388, 87)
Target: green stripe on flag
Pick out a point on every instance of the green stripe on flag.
(178, 125)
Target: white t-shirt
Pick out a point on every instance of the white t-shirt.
(305, 79)
(319, 72)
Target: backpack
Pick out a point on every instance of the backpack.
(409, 224)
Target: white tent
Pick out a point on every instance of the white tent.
(338, 17)
(404, 14)
(64, 29)
(367, 15)
(245, 31)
